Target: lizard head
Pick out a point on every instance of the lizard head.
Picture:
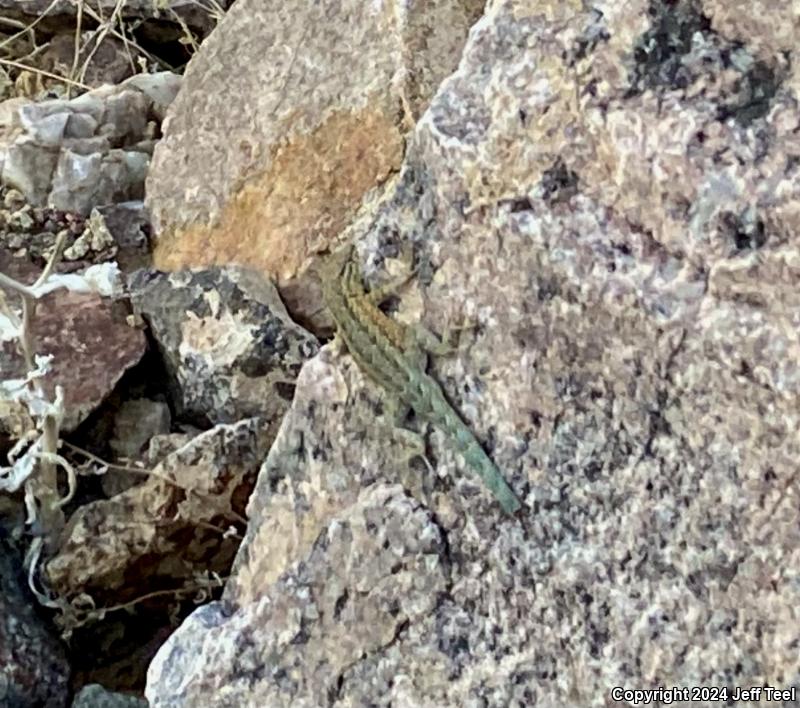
(333, 265)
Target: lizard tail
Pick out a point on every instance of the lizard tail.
(476, 458)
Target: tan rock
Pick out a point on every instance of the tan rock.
(290, 113)
(167, 529)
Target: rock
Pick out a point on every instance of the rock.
(110, 61)
(115, 232)
(96, 238)
(29, 167)
(48, 129)
(162, 445)
(375, 569)
(313, 121)
(165, 531)
(81, 181)
(135, 423)
(129, 226)
(92, 345)
(90, 151)
(610, 200)
(33, 666)
(95, 696)
(159, 88)
(226, 339)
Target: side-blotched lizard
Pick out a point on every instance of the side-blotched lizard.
(392, 356)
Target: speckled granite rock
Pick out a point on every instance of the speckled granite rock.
(372, 572)
(611, 197)
(291, 111)
(226, 339)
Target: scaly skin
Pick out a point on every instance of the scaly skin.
(386, 352)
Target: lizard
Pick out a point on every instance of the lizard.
(393, 356)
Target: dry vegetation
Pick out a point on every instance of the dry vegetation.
(40, 59)
(61, 55)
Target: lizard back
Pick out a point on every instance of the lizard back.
(382, 349)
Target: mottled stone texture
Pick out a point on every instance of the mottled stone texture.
(229, 346)
(163, 532)
(371, 572)
(290, 112)
(33, 664)
(611, 197)
(95, 696)
(93, 150)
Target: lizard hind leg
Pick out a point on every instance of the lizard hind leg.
(415, 447)
(413, 441)
(450, 341)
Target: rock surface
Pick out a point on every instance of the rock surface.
(95, 696)
(291, 112)
(136, 422)
(226, 339)
(164, 531)
(92, 344)
(373, 571)
(33, 666)
(610, 196)
(90, 151)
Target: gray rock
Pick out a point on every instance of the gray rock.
(160, 89)
(125, 117)
(96, 696)
(29, 167)
(94, 145)
(33, 666)
(82, 181)
(228, 343)
(48, 130)
(90, 151)
(80, 125)
(375, 569)
(91, 103)
(129, 226)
